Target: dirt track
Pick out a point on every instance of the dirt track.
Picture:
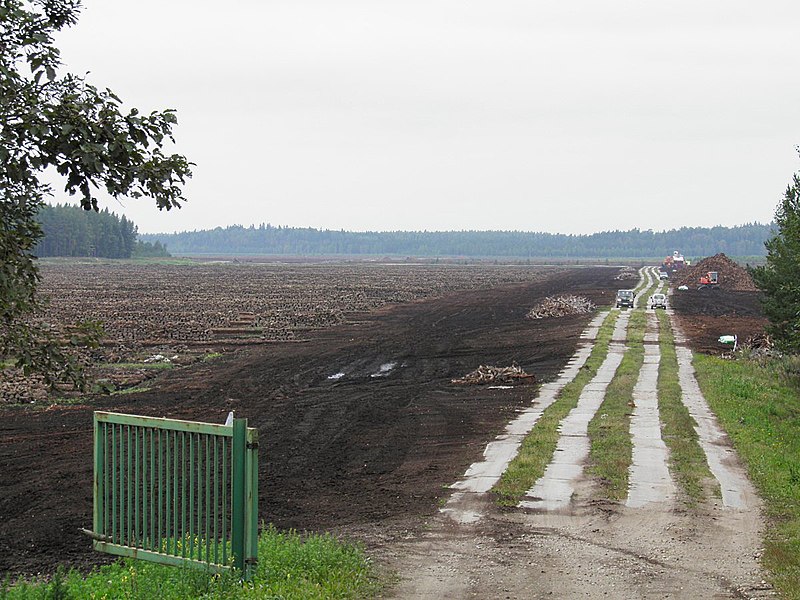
(369, 457)
(564, 539)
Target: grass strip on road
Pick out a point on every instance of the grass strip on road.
(536, 451)
(687, 461)
(609, 431)
(290, 566)
(644, 294)
(757, 404)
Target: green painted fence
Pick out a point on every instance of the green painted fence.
(176, 492)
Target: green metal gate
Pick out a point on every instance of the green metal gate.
(176, 492)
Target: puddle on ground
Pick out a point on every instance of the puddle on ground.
(385, 369)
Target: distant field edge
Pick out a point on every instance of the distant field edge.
(602, 261)
(178, 257)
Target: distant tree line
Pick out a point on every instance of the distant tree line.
(72, 231)
(744, 240)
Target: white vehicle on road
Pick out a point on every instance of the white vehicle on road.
(658, 301)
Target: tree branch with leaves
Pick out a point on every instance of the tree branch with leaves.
(64, 124)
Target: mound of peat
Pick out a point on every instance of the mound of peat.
(732, 277)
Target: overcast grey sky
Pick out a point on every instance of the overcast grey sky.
(556, 116)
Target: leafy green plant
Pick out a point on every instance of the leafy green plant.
(63, 125)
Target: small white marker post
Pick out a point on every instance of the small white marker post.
(729, 339)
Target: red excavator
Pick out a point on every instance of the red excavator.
(710, 279)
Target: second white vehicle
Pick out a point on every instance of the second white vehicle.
(658, 301)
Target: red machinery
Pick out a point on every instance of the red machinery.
(710, 278)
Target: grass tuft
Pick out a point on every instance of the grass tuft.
(290, 567)
(141, 365)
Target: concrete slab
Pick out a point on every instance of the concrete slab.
(736, 488)
(554, 490)
(590, 333)
(464, 505)
(649, 479)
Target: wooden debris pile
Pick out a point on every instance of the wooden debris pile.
(761, 341)
(486, 374)
(731, 276)
(561, 306)
(627, 273)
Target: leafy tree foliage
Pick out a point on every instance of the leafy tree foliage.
(779, 279)
(62, 124)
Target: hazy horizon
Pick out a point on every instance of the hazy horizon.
(439, 115)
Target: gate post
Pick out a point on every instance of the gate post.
(251, 502)
(237, 475)
(98, 491)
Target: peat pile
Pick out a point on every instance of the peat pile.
(731, 276)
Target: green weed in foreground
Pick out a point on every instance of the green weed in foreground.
(687, 461)
(609, 431)
(290, 567)
(130, 390)
(142, 365)
(537, 449)
(757, 404)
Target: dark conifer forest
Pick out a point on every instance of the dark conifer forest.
(71, 231)
(741, 241)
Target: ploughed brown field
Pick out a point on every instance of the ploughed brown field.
(366, 453)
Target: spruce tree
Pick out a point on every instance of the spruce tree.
(779, 279)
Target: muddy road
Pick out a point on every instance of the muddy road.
(365, 454)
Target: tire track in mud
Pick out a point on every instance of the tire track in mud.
(647, 547)
(554, 490)
(468, 503)
(649, 479)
